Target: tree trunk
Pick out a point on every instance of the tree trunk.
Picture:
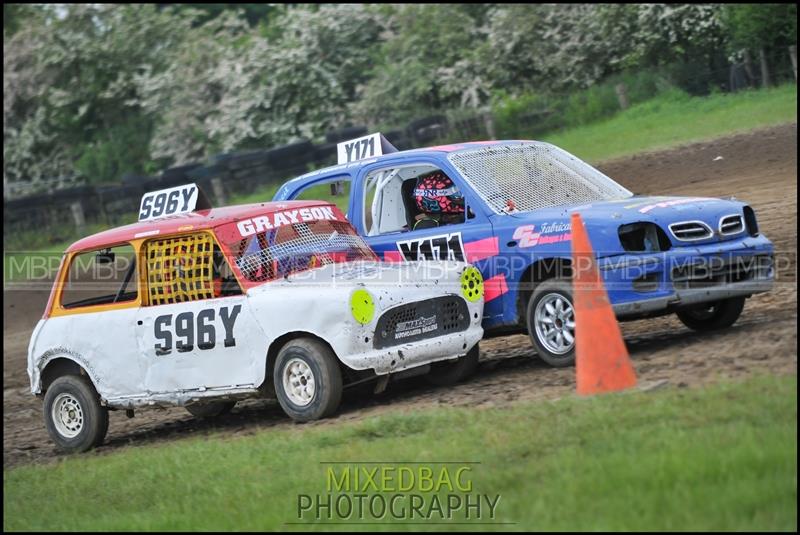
(793, 56)
(762, 57)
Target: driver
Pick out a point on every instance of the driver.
(438, 200)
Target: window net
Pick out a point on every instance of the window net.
(180, 269)
(293, 248)
(529, 176)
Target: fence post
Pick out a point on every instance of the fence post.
(793, 55)
(762, 57)
(219, 191)
(622, 96)
(748, 68)
(78, 217)
(488, 120)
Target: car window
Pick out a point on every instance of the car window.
(408, 197)
(187, 268)
(101, 277)
(335, 191)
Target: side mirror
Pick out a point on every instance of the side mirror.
(105, 257)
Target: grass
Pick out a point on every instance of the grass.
(675, 119)
(319, 193)
(719, 458)
(33, 265)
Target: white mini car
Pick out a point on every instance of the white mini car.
(202, 307)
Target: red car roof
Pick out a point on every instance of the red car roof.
(199, 220)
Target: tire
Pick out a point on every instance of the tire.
(451, 372)
(562, 319)
(300, 362)
(711, 316)
(73, 415)
(210, 409)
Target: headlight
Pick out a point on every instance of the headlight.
(362, 307)
(643, 237)
(472, 284)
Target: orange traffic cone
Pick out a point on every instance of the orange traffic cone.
(601, 360)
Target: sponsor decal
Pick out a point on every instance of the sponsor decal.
(440, 247)
(434, 192)
(649, 205)
(494, 287)
(147, 233)
(556, 232)
(264, 222)
(414, 327)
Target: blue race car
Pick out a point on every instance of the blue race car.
(505, 206)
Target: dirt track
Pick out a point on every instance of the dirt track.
(759, 167)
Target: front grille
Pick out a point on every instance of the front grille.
(690, 230)
(710, 272)
(421, 320)
(731, 224)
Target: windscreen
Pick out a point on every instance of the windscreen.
(281, 251)
(533, 175)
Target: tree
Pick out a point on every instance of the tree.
(427, 61)
(70, 91)
(227, 86)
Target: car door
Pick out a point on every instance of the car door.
(194, 337)
(472, 240)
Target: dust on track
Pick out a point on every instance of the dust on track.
(759, 167)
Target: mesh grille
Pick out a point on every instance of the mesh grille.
(180, 269)
(529, 176)
(421, 320)
(289, 249)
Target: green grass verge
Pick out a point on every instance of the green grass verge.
(719, 458)
(675, 118)
(42, 264)
(318, 193)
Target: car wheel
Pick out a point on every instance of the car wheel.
(712, 316)
(551, 322)
(308, 381)
(450, 372)
(73, 415)
(210, 409)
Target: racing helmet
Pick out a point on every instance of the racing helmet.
(435, 193)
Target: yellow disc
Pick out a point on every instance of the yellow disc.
(472, 284)
(361, 306)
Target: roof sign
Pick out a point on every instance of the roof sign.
(172, 201)
(364, 147)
